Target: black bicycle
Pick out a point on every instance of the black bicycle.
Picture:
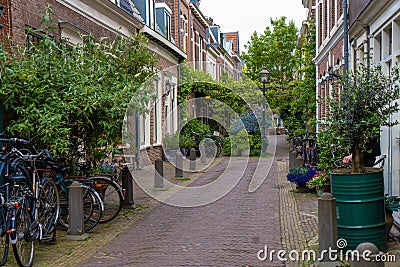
(213, 144)
(306, 147)
(30, 206)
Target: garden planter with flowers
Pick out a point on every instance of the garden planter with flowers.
(300, 176)
(317, 182)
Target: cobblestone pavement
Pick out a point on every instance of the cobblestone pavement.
(228, 232)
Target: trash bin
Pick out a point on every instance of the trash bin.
(360, 207)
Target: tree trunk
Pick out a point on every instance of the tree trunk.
(358, 160)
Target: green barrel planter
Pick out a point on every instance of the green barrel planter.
(360, 207)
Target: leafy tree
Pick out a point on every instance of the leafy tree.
(292, 72)
(73, 98)
(364, 104)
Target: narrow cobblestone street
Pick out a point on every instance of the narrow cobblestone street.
(228, 232)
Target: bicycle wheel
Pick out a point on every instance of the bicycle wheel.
(64, 211)
(4, 238)
(23, 249)
(111, 195)
(49, 209)
(92, 208)
(210, 148)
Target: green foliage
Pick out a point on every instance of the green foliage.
(240, 141)
(171, 141)
(392, 203)
(67, 96)
(196, 126)
(186, 141)
(227, 146)
(255, 148)
(364, 104)
(273, 49)
(326, 141)
(292, 71)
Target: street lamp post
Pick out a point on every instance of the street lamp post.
(264, 79)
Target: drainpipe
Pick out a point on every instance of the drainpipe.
(179, 23)
(137, 118)
(345, 37)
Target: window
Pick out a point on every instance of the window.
(201, 52)
(32, 39)
(146, 10)
(163, 20)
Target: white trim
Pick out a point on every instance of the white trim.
(158, 36)
(165, 6)
(104, 13)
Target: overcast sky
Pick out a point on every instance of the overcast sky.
(251, 15)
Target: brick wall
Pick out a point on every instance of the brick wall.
(29, 13)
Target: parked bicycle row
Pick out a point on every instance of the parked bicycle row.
(34, 198)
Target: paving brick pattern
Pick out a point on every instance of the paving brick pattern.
(299, 214)
(228, 232)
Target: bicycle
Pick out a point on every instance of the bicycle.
(24, 203)
(213, 144)
(40, 205)
(306, 147)
(92, 203)
(107, 186)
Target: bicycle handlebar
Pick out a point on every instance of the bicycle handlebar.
(14, 140)
(29, 156)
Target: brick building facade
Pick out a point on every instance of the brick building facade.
(177, 31)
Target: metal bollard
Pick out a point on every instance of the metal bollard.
(192, 164)
(202, 153)
(76, 227)
(327, 223)
(128, 186)
(159, 173)
(179, 165)
(369, 255)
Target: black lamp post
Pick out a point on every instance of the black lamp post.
(264, 79)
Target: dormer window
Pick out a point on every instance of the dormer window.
(163, 20)
(145, 8)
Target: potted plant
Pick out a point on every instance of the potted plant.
(364, 103)
(300, 176)
(318, 181)
(392, 204)
(171, 146)
(241, 143)
(362, 106)
(186, 142)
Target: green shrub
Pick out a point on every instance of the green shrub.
(255, 149)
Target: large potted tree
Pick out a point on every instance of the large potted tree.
(364, 103)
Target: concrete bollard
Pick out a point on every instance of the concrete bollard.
(292, 159)
(76, 226)
(291, 145)
(159, 173)
(369, 256)
(327, 224)
(179, 165)
(202, 153)
(128, 187)
(192, 164)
